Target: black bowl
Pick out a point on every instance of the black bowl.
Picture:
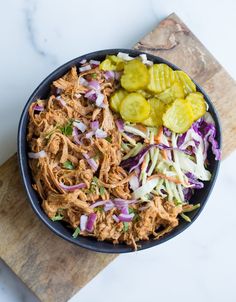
(59, 228)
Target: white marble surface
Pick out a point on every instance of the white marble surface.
(39, 35)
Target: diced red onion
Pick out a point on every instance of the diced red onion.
(121, 203)
(124, 56)
(83, 61)
(117, 75)
(75, 135)
(126, 217)
(89, 134)
(91, 95)
(94, 125)
(94, 62)
(62, 102)
(108, 206)
(145, 60)
(109, 75)
(37, 155)
(103, 105)
(125, 200)
(83, 82)
(83, 222)
(91, 162)
(143, 56)
(85, 68)
(120, 125)
(79, 125)
(77, 95)
(74, 187)
(94, 85)
(99, 133)
(90, 223)
(134, 182)
(85, 155)
(125, 210)
(38, 108)
(58, 91)
(115, 218)
(100, 99)
(99, 203)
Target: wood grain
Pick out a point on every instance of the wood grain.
(54, 269)
(51, 267)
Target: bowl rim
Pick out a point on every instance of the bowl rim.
(25, 172)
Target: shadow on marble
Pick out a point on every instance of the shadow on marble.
(12, 289)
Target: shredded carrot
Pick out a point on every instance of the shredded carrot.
(157, 138)
(164, 154)
(143, 164)
(170, 178)
(141, 127)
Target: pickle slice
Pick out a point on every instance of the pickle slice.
(107, 65)
(117, 98)
(161, 77)
(187, 83)
(118, 62)
(179, 116)
(135, 76)
(144, 93)
(112, 62)
(134, 108)
(198, 104)
(176, 91)
(157, 110)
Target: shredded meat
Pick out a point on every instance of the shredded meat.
(75, 157)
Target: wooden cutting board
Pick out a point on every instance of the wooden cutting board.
(54, 269)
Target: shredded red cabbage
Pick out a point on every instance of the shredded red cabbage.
(208, 132)
(165, 147)
(167, 132)
(133, 162)
(181, 139)
(120, 125)
(194, 181)
(188, 193)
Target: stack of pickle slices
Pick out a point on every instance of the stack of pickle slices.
(155, 95)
